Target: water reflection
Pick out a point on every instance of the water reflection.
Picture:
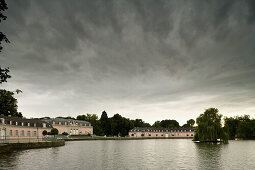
(135, 154)
(209, 155)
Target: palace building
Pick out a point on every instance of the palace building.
(70, 126)
(139, 132)
(15, 127)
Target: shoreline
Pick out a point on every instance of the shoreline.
(121, 138)
(10, 147)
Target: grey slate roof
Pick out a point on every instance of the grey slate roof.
(153, 129)
(33, 122)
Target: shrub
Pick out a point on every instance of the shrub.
(44, 132)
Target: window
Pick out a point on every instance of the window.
(187, 134)
(162, 135)
(156, 134)
(34, 124)
(28, 124)
(191, 135)
(44, 124)
(59, 123)
(132, 134)
(149, 134)
(22, 133)
(34, 133)
(16, 133)
(28, 133)
(10, 132)
(16, 123)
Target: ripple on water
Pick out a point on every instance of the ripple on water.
(135, 154)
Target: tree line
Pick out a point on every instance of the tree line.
(118, 125)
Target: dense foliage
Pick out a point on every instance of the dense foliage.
(190, 124)
(113, 126)
(167, 123)
(209, 127)
(54, 131)
(3, 7)
(44, 132)
(240, 127)
(8, 104)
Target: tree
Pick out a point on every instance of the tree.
(3, 7)
(156, 124)
(64, 133)
(44, 132)
(167, 123)
(190, 123)
(209, 127)
(8, 104)
(93, 119)
(140, 123)
(105, 123)
(4, 74)
(54, 131)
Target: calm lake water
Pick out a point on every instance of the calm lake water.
(135, 154)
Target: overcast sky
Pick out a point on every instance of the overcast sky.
(143, 59)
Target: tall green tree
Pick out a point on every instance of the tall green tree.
(105, 123)
(93, 119)
(8, 104)
(120, 126)
(209, 127)
(3, 7)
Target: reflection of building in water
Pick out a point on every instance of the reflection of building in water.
(70, 126)
(13, 127)
(162, 132)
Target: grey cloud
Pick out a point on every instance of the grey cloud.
(138, 53)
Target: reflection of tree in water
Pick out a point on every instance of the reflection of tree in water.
(209, 156)
(10, 160)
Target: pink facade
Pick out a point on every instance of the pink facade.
(70, 126)
(74, 130)
(162, 132)
(12, 127)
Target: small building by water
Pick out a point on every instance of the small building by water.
(139, 132)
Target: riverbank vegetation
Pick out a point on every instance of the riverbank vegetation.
(241, 127)
(209, 128)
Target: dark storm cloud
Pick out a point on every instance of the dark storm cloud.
(159, 58)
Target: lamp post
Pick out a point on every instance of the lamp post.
(4, 128)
